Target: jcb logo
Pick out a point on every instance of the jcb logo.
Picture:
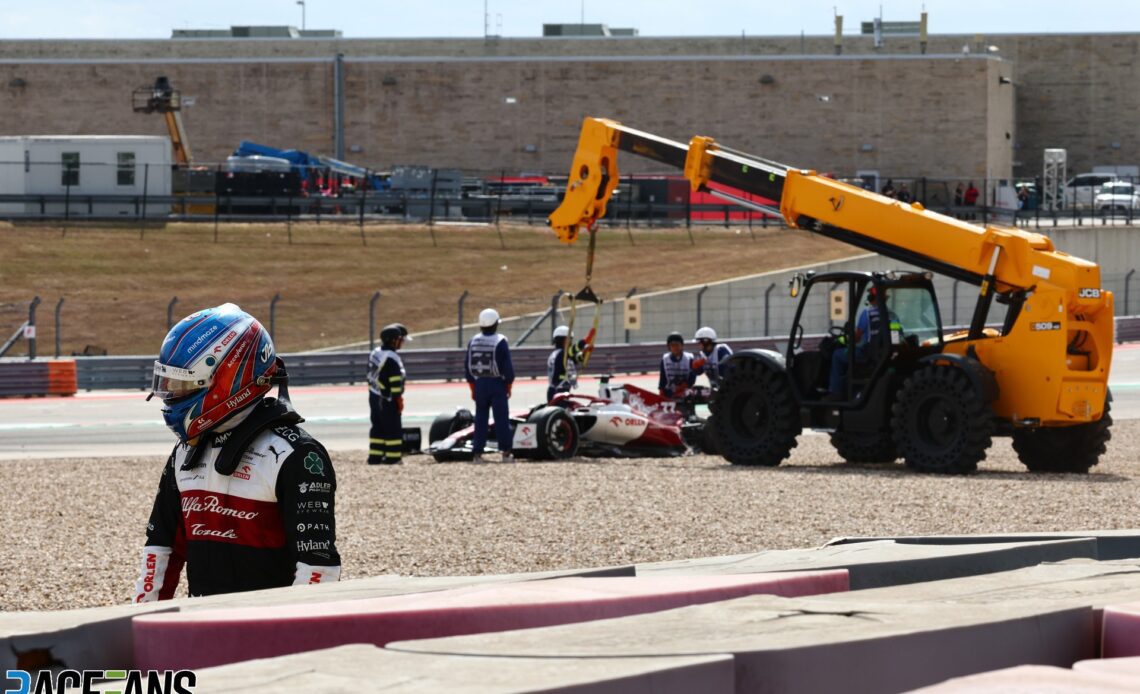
(1088, 293)
(1045, 325)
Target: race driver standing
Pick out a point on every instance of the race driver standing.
(246, 500)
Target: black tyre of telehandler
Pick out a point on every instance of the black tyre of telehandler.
(940, 422)
(1064, 449)
(757, 418)
(865, 446)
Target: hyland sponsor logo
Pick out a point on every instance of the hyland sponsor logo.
(200, 530)
(314, 464)
(243, 473)
(131, 681)
(315, 487)
(201, 338)
(212, 504)
(313, 545)
(312, 507)
(305, 527)
(239, 398)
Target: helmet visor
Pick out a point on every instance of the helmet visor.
(171, 382)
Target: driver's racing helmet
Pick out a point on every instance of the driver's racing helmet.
(213, 364)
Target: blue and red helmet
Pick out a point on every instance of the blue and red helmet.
(213, 364)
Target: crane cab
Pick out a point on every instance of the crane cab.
(876, 327)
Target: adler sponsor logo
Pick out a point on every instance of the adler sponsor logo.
(1088, 293)
(315, 487)
(200, 530)
(212, 504)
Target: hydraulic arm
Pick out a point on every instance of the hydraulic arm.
(1052, 356)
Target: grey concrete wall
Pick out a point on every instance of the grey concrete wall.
(1076, 91)
(524, 114)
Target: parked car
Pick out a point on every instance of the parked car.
(1118, 198)
(1082, 189)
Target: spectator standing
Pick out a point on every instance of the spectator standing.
(490, 376)
(386, 377)
(970, 198)
(677, 374)
(246, 499)
(888, 188)
(903, 194)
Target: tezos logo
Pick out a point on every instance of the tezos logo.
(1088, 293)
(132, 681)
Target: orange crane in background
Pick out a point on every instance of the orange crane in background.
(165, 99)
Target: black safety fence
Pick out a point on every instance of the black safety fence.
(330, 368)
(132, 189)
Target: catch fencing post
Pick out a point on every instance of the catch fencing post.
(372, 321)
(954, 303)
(554, 301)
(767, 304)
(700, 301)
(142, 217)
(1127, 282)
(462, 298)
(273, 314)
(30, 330)
(58, 308)
(170, 313)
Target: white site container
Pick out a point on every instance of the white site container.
(118, 165)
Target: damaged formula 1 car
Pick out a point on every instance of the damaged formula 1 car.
(623, 421)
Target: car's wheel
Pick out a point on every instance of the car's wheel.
(865, 446)
(1064, 449)
(448, 423)
(557, 433)
(941, 422)
(757, 419)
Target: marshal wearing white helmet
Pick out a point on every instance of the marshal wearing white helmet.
(490, 375)
(562, 367)
(710, 359)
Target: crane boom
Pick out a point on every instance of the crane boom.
(1055, 349)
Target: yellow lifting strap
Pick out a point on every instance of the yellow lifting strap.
(586, 294)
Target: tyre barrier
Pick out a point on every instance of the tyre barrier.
(22, 379)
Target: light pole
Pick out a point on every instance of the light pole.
(302, 4)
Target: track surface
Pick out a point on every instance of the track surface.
(122, 423)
